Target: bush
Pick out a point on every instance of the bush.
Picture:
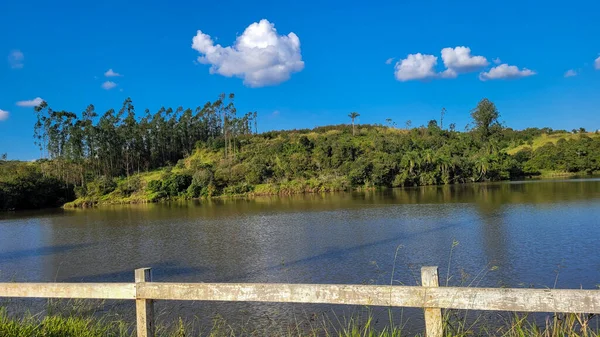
(128, 186)
(172, 185)
(80, 191)
(238, 189)
(100, 186)
(155, 186)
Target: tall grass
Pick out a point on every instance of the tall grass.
(568, 325)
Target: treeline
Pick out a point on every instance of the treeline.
(24, 186)
(346, 157)
(118, 143)
(574, 155)
(211, 152)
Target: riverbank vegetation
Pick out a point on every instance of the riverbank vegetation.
(25, 186)
(212, 151)
(574, 325)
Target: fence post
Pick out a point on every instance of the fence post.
(433, 316)
(144, 308)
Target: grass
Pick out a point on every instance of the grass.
(456, 325)
(545, 139)
(59, 326)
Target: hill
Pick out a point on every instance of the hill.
(331, 158)
(553, 138)
(210, 151)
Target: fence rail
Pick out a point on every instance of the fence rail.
(430, 296)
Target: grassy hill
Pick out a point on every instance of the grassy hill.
(544, 139)
(331, 158)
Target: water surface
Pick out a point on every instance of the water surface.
(519, 234)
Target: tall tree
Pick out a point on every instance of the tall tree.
(442, 114)
(485, 118)
(353, 115)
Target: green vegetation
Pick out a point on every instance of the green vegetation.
(25, 186)
(210, 152)
(552, 138)
(574, 325)
(59, 326)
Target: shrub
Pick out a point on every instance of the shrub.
(172, 185)
(100, 186)
(128, 186)
(238, 189)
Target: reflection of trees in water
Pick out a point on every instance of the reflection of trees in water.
(494, 236)
(496, 194)
(484, 194)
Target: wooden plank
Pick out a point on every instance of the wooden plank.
(118, 291)
(433, 316)
(144, 308)
(516, 300)
(502, 299)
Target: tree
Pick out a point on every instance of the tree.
(353, 115)
(485, 118)
(408, 124)
(442, 113)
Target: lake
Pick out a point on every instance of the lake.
(520, 234)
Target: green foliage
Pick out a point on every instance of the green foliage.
(129, 185)
(171, 185)
(573, 155)
(485, 117)
(23, 186)
(100, 186)
(119, 143)
(217, 154)
(59, 326)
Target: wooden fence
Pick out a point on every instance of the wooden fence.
(429, 296)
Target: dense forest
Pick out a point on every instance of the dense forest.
(211, 151)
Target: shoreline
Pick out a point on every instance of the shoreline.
(141, 198)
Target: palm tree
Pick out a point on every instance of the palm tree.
(353, 116)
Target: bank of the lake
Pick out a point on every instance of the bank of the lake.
(325, 159)
(294, 187)
(331, 159)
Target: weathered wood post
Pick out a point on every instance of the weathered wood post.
(433, 316)
(144, 308)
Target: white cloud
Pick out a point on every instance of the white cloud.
(497, 60)
(416, 67)
(597, 63)
(459, 60)
(504, 71)
(259, 56)
(570, 73)
(111, 73)
(31, 103)
(15, 59)
(108, 85)
(389, 61)
(3, 115)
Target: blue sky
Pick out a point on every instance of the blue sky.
(336, 60)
